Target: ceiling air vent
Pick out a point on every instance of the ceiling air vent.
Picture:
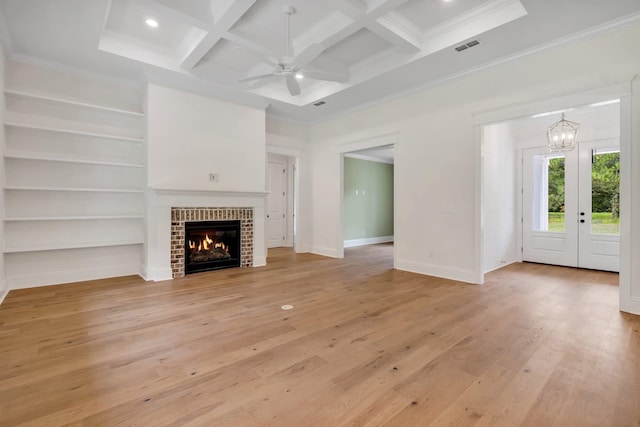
(465, 46)
(319, 103)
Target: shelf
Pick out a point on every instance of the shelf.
(74, 132)
(72, 218)
(69, 102)
(68, 160)
(87, 190)
(73, 246)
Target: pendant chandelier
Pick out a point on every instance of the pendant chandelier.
(563, 135)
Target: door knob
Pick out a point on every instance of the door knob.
(581, 213)
(267, 216)
(582, 221)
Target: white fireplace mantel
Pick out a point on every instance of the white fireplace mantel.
(157, 261)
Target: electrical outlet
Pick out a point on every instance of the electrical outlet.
(213, 177)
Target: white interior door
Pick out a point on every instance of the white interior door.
(276, 203)
(570, 205)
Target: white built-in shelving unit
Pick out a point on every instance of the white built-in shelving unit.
(74, 187)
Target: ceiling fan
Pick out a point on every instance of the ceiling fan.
(292, 68)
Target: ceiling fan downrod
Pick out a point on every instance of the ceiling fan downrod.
(288, 10)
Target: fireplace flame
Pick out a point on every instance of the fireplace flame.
(206, 243)
(207, 248)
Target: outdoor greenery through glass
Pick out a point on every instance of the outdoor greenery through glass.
(605, 194)
(556, 194)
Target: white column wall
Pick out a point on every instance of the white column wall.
(3, 279)
(499, 197)
(630, 276)
(189, 137)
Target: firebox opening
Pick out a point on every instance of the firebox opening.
(211, 245)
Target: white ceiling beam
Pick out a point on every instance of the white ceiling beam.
(195, 14)
(378, 8)
(257, 45)
(354, 9)
(321, 36)
(393, 28)
(224, 19)
(379, 16)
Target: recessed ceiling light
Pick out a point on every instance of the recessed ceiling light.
(152, 22)
(299, 76)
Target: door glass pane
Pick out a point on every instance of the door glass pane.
(548, 193)
(605, 191)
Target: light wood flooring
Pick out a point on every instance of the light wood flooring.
(364, 345)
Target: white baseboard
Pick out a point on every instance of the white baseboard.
(143, 272)
(631, 305)
(302, 249)
(444, 272)
(35, 280)
(3, 295)
(498, 267)
(328, 252)
(259, 261)
(157, 274)
(367, 241)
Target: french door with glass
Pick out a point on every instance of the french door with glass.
(571, 205)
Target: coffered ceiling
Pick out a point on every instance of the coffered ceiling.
(366, 49)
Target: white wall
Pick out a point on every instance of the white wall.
(283, 136)
(500, 211)
(435, 150)
(55, 81)
(190, 136)
(3, 280)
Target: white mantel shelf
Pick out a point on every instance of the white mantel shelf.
(227, 193)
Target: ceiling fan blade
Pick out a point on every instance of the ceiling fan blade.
(252, 78)
(292, 85)
(325, 75)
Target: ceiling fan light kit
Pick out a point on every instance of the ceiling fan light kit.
(293, 68)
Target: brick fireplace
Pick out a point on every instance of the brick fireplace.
(170, 209)
(180, 215)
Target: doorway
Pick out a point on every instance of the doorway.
(571, 206)
(506, 146)
(368, 197)
(279, 202)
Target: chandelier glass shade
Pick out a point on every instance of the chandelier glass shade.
(563, 135)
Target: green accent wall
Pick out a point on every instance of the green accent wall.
(368, 199)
